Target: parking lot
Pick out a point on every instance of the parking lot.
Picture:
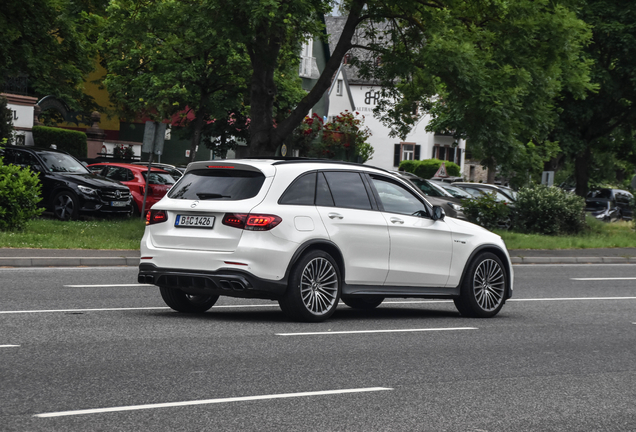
(90, 349)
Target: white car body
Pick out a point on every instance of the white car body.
(378, 253)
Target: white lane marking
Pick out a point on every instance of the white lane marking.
(210, 401)
(81, 310)
(9, 346)
(276, 305)
(572, 299)
(110, 286)
(604, 279)
(376, 331)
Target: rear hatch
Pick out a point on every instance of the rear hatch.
(198, 203)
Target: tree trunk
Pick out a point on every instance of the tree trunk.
(198, 128)
(581, 172)
(264, 138)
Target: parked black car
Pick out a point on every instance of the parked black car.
(603, 209)
(68, 187)
(435, 194)
(624, 200)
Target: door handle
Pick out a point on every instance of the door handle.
(396, 220)
(335, 216)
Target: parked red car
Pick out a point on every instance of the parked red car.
(134, 176)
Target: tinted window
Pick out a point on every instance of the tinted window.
(218, 184)
(119, 173)
(348, 190)
(159, 178)
(323, 194)
(427, 188)
(21, 159)
(397, 199)
(62, 163)
(301, 191)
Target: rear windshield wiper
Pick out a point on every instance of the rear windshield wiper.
(205, 196)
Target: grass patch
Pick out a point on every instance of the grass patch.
(43, 233)
(599, 235)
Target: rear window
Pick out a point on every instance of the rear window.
(218, 184)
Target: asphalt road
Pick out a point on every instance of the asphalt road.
(74, 356)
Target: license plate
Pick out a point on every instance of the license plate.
(194, 221)
(118, 203)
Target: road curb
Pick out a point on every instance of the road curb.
(70, 262)
(573, 260)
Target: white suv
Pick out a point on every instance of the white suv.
(309, 233)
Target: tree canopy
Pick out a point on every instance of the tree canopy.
(48, 42)
(597, 132)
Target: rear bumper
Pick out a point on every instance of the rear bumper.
(225, 282)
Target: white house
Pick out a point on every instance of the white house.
(352, 93)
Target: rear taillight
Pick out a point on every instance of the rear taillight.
(251, 222)
(156, 216)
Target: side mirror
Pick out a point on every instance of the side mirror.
(438, 213)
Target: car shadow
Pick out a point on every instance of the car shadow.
(343, 314)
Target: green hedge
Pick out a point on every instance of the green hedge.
(548, 210)
(428, 167)
(19, 196)
(73, 142)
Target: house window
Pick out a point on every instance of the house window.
(447, 153)
(339, 85)
(405, 151)
(306, 58)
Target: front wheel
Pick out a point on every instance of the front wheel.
(314, 288)
(187, 303)
(65, 206)
(483, 290)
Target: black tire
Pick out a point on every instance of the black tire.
(65, 206)
(484, 288)
(187, 303)
(314, 288)
(363, 303)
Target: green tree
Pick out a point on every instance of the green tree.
(48, 42)
(489, 72)
(597, 131)
(169, 56)
(486, 70)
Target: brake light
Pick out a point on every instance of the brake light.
(156, 216)
(251, 222)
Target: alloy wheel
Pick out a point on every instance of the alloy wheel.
(489, 285)
(319, 286)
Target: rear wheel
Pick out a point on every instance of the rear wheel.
(363, 303)
(65, 206)
(187, 303)
(314, 288)
(483, 291)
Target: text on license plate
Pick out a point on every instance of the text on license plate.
(118, 203)
(194, 221)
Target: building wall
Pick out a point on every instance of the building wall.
(364, 99)
(22, 108)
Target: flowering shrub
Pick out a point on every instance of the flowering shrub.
(122, 152)
(548, 210)
(305, 135)
(346, 138)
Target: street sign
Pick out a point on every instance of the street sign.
(154, 136)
